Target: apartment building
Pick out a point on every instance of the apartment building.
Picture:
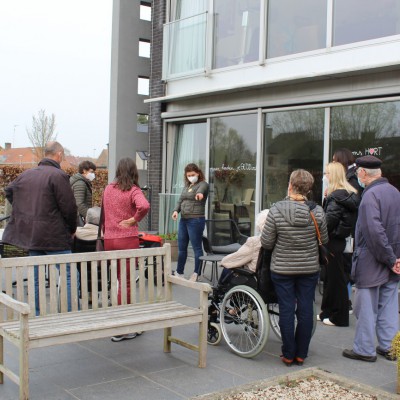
(252, 89)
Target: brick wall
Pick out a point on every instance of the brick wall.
(155, 124)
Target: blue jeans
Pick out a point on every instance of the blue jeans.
(33, 253)
(190, 229)
(295, 297)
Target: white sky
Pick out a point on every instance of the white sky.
(56, 55)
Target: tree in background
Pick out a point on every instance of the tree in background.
(43, 127)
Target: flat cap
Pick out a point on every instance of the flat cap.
(369, 162)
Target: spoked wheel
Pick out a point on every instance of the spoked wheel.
(273, 313)
(244, 321)
(214, 334)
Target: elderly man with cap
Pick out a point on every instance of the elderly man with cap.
(376, 263)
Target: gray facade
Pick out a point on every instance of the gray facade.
(126, 135)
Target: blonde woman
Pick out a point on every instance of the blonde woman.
(340, 206)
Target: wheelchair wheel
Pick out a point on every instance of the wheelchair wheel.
(244, 321)
(214, 334)
(273, 314)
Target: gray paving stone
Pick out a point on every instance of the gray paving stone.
(137, 388)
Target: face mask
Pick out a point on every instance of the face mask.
(325, 181)
(360, 183)
(90, 176)
(193, 179)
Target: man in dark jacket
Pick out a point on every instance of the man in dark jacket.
(43, 218)
(376, 263)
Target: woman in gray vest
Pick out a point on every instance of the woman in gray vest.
(191, 205)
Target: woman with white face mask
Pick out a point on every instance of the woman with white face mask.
(81, 184)
(191, 205)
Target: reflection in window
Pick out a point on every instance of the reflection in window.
(142, 123)
(369, 129)
(292, 140)
(237, 32)
(357, 20)
(233, 154)
(295, 26)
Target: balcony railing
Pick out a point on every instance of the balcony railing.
(184, 50)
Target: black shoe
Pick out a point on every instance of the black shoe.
(387, 354)
(350, 307)
(354, 356)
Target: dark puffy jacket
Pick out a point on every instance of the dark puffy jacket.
(43, 209)
(290, 232)
(188, 206)
(82, 189)
(341, 213)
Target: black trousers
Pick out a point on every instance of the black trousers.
(335, 300)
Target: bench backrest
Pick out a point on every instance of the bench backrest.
(94, 282)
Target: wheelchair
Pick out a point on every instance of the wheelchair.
(238, 313)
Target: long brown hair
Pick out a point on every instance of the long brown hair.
(193, 168)
(127, 174)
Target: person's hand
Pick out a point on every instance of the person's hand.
(396, 267)
(199, 196)
(127, 223)
(174, 215)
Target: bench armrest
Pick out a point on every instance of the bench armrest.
(8, 301)
(205, 287)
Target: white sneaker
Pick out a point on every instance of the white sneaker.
(318, 317)
(327, 321)
(193, 278)
(178, 275)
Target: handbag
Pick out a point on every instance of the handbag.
(349, 245)
(324, 253)
(265, 286)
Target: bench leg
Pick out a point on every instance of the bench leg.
(1, 358)
(167, 343)
(24, 359)
(202, 344)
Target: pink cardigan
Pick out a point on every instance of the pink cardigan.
(119, 206)
(246, 256)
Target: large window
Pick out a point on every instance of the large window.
(236, 32)
(357, 20)
(369, 129)
(186, 143)
(292, 140)
(185, 38)
(295, 26)
(233, 154)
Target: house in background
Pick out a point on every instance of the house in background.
(252, 89)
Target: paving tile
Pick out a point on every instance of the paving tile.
(137, 388)
(192, 381)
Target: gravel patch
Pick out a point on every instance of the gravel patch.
(308, 384)
(311, 388)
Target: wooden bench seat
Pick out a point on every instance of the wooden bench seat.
(149, 305)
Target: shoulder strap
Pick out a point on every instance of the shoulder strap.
(316, 227)
(102, 217)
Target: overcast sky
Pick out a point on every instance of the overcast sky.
(55, 55)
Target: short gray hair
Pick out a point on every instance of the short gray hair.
(260, 219)
(52, 148)
(372, 172)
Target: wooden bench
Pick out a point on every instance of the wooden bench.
(151, 305)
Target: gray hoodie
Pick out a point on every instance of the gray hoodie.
(290, 232)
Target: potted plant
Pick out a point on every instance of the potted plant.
(172, 239)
